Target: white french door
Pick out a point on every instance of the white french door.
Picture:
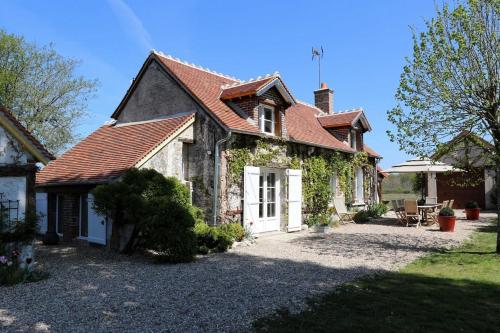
(269, 207)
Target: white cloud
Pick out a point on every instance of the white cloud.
(131, 23)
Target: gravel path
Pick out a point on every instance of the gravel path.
(92, 290)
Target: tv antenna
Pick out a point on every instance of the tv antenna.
(318, 53)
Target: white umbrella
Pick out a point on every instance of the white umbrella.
(422, 166)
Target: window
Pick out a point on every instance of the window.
(353, 139)
(84, 223)
(266, 119)
(185, 161)
(267, 195)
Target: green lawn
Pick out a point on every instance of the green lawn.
(453, 291)
(398, 196)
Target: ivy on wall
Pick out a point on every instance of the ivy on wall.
(317, 171)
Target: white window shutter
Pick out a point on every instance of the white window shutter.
(360, 188)
(294, 199)
(251, 197)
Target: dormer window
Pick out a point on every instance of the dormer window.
(353, 139)
(267, 121)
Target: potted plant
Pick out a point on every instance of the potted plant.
(447, 219)
(472, 210)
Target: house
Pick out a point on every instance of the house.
(473, 154)
(238, 145)
(19, 154)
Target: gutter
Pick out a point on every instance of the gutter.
(217, 175)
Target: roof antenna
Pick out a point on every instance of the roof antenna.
(318, 53)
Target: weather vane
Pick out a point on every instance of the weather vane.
(318, 53)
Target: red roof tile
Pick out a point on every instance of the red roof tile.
(302, 125)
(371, 152)
(109, 151)
(206, 86)
(381, 172)
(245, 89)
(339, 119)
(26, 133)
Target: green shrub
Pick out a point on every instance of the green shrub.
(218, 238)
(158, 207)
(377, 210)
(362, 216)
(234, 230)
(446, 211)
(318, 219)
(471, 205)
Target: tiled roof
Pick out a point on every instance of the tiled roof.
(340, 119)
(109, 151)
(245, 88)
(381, 172)
(206, 87)
(36, 144)
(302, 125)
(371, 152)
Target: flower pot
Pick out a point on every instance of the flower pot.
(472, 213)
(447, 223)
(321, 229)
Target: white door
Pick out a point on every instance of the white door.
(41, 211)
(261, 210)
(269, 201)
(294, 199)
(251, 197)
(96, 224)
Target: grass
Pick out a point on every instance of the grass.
(398, 196)
(453, 291)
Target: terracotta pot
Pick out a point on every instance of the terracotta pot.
(472, 213)
(447, 223)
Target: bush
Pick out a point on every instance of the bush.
(158, 207)
(471, 205)
(362, 216)
(377, 210)
(446, 211)
(218, 238)
(318, 219)
(234, 230)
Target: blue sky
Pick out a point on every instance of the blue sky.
(365, 43)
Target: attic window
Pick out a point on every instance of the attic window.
(266, 119)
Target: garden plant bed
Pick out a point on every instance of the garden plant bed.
(95, 290)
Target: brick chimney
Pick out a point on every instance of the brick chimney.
(323, 98)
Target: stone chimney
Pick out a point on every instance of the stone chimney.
(323, 98)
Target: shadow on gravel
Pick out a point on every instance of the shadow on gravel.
(91, 290)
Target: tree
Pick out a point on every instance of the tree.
(42, 89)
(451, 84)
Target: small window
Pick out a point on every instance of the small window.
(266, 119)
(353, 140)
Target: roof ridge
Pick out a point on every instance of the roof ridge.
(358, 109)
(198, 67)
(276, 74)
(169, 117)
(312, 106)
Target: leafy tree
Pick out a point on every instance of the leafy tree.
(42, 89)
(451, 84)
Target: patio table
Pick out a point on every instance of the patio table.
(426, 208)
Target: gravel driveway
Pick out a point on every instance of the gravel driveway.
(92, 290)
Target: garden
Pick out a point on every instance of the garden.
(17, 257)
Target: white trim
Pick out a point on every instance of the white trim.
(262, 119)
(158, 148)
(281, 88)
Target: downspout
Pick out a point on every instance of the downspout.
(217, 175)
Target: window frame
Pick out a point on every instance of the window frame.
(263, 120)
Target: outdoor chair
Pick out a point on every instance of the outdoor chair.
(411, 212)
(398, 211)
(434, 215)
(344, 215)
(450, 204)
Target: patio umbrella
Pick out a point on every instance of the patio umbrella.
(422, 166)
